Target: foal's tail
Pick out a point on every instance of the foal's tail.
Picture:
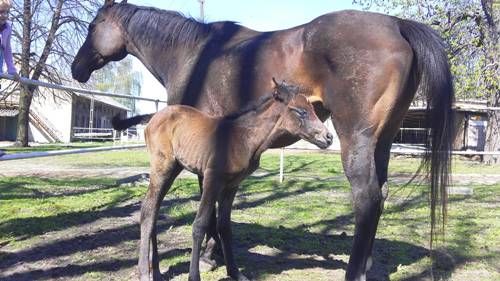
(435, 78)
(122, 124)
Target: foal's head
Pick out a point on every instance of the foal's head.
(299, 118)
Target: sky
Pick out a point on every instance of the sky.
(262, 15)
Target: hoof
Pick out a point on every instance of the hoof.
(242, 277)
(157, 276)
(207, 264)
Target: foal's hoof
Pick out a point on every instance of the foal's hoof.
(157, 276)
(207, 264)
(242, 277)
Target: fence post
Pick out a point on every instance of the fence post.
(282, 156)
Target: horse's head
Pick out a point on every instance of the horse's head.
(299, 118)
(104, 43)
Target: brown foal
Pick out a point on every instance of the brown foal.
(223, 152)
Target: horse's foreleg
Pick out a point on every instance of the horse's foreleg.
(224, 230)
(360, 168)
(202, 221)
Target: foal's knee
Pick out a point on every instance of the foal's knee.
(199, 230)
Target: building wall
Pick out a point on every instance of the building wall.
(55, 110)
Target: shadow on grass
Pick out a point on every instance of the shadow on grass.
(13, 188)
(297, 248)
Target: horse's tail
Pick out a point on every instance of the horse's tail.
(433, 72)
(122, 124)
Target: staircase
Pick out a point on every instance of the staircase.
(45, 127)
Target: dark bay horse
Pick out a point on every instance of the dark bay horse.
(361, 69)
(182, 137)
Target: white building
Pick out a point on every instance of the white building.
(61, 117)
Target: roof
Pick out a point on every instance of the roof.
(105, 100)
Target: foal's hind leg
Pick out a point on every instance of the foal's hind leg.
(163, 173)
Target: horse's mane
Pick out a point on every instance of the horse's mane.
(161, 26)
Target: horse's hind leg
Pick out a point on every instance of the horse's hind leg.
(360, 168)
(163, 173)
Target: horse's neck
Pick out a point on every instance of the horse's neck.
(159, 56)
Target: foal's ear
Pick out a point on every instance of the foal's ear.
(276, 91)
(109, 2)
(124, 1)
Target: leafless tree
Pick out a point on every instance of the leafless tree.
(49, 32)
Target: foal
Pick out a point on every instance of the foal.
(222, 152)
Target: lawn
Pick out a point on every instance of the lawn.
(301, 229)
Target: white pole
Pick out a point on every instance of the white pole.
(282, 158)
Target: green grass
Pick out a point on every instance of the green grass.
(32, 206)
(289, 231)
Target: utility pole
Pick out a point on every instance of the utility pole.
(202, 10)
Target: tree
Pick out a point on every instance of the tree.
(51, 31)
(471, 30)
(119, 77)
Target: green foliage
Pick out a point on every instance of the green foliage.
(471, 40)
(119, 78)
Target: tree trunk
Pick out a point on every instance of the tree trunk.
(26, 93)
(23, 118)
(493, 132)
(493, 135)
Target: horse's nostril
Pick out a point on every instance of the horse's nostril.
(329, 136)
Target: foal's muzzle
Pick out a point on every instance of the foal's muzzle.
(324, 139)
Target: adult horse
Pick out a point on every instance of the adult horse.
(361, 69)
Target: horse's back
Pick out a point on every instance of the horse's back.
(360, 64)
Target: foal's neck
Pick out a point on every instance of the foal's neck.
(262, 125)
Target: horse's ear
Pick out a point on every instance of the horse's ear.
(108, 3)
(124, 1)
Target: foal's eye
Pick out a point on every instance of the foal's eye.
(301, 113)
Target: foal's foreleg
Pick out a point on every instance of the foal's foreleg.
(201, 223)
(160, 182)
(212, 239)
(224, 230)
